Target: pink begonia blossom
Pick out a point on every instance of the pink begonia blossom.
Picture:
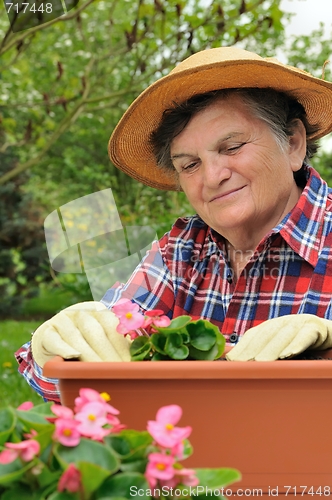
(7, 456)
(115, 423)
(70, 479)
(62, 411)
(33, 433)
(27, 405)
(163, 429)
(187, 477)
(130, 317)
(129, 322)
(123, 306)
(160, 466)
(156, 317)
(26, 450)
(91, 420)
(89, 396)
(66, 432)
(177, 450)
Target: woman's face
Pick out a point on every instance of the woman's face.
(233, 171)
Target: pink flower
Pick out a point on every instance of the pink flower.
(157, 318)
(30, 434)
(70, 479)
(131, 321)
(8, 456)
(163, 429)
(91, 419)
(187, 477)
(183, 476)
(129, 315)
(27, 405)
(62, 411)
(66, 432)
(89, 396)
(160, 466)
(123, 306)
(26, 450)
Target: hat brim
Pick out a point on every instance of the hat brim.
(129, 146)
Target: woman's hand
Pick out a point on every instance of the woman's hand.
(85, 331)
(283, 337)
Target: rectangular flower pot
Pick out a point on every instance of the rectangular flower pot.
(269, 420)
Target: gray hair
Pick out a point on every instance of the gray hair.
(278, 110)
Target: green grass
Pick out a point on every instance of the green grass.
(49, 302)
(14, 390)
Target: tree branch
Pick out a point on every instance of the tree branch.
(63, 126)
(31, 31)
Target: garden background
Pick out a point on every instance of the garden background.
(63, 87)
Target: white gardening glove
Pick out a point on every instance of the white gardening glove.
(283, 337)
(84, 331)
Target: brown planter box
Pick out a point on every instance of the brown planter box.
(270, 420)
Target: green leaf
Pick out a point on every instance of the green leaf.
(175, 348)
(109, 498)
(13, 472)
(119, 444)
(138, 442)
(159, 357)
(140, 348)
(33, 420)
(93, 476)
(214, 353)
(19, 493)
(98, 454)
(63, 496)
(46, 476)
(43, 409)
(125, 485)
(203, 334)
(134, 466)
(221, 341)
(175, 325)
(217, 478)
(44, 437)
(7, 424)
(204, 355)
(158, 340)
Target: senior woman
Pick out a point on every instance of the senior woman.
(235, 132)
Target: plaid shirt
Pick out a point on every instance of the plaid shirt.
(188, 272)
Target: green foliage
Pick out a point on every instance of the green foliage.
(113, 466)
(66, 84)
(23, 255)
(323, 162)
(12, 385)
(182, 339)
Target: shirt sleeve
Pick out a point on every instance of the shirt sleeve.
(33, 374)
(150, 286)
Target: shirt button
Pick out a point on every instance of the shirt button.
(234, 337)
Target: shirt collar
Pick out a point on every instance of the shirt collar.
(303, 225)
(301, 228)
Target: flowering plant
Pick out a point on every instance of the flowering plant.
(50, 452)
(156, 337)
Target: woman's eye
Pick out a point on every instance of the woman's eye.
(232, 149)
(191, 166)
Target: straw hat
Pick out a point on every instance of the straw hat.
(212, 69)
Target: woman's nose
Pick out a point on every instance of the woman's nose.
(216, 170)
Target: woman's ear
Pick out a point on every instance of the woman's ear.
(297, 144)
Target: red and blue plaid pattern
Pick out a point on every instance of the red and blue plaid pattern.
(187, 272)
